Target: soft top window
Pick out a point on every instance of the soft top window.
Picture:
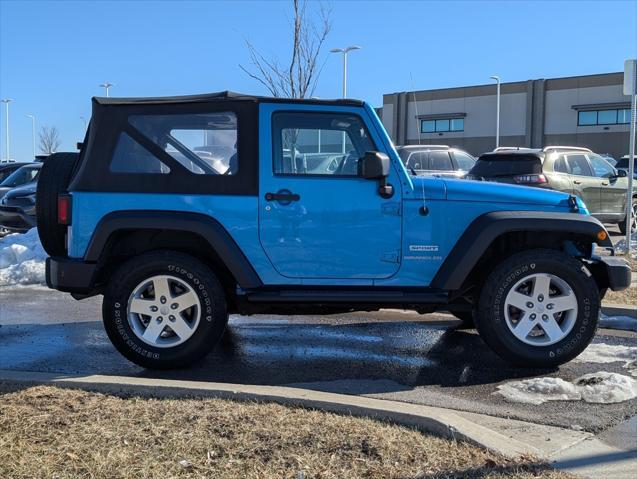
(205, 144)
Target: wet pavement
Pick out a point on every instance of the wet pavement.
(388, 354)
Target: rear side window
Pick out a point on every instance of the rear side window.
(506, 165)
(131, 157)
(578, 165)
(205, 144)
(440, 160)
(560, 165)
(465, 161)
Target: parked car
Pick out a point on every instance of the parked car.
(23, 174)
(624, 164)
(7, 168)
(17, 205)
(440, 160)
(175, 251)
(574, 171)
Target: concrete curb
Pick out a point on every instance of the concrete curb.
(619, 310)
(438, 421)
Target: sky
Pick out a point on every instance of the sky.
(54, 54)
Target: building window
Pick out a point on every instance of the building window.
(603, 117)
(442, 125)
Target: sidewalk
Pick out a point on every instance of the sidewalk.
(577, 452)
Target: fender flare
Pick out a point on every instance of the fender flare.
(208, 228)
(488, 227)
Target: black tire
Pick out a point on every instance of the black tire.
(467, 318)
(622, 224)
(491, 322)
(212, 320)
(53, 179)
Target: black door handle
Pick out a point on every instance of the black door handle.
(283, 196)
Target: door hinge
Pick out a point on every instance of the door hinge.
(391, 209)
(390, 257)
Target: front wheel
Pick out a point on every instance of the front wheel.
(164, 310)
(539, 308)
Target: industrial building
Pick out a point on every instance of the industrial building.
(589, 111)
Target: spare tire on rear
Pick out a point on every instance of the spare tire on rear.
(54, 179)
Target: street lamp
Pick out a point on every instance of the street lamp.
(497, 112)
(6, 102)
(106, 85)
(32, 131)
(345, 51)
(85, 122)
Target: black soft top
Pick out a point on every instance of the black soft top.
(219, 97)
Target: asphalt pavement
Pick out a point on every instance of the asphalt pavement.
(422, 359)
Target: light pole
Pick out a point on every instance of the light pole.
(32, 131)
(497, 112)
(85, 123)
(345, 51)
(106, 85)
(6, 102)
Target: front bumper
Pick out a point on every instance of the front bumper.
(617, 272)
(16, 219)
(70, 276)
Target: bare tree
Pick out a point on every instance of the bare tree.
(49, 140)
(296, 79)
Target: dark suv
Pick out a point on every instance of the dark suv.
(439, 160)
(576, 171)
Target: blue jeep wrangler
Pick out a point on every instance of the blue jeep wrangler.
(183, 210)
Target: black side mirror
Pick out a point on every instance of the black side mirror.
(374, 165)
(621, 174)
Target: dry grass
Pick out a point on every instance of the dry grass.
(50, 432)
(628, 296)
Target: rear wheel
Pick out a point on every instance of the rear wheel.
(633, 222)
(164, 310)
(53, 179)
(539, 309)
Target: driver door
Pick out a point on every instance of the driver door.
(317, 218)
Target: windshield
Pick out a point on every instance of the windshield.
(21, 176)
(506, 165)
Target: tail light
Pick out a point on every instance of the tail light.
(530, 179)
(64, 209)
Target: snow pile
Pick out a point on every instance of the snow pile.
(602, 353)
(21, 259)
(621, 244)
(601, 387)
(539, 390)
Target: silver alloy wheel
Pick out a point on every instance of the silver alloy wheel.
(541, 309)
(163, 311)
(633, 221)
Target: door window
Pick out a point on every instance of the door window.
(578, 165)
(601, 167)
(439, 160)
(317, 144)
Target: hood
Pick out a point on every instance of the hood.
(470, 190)
(24, 190)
